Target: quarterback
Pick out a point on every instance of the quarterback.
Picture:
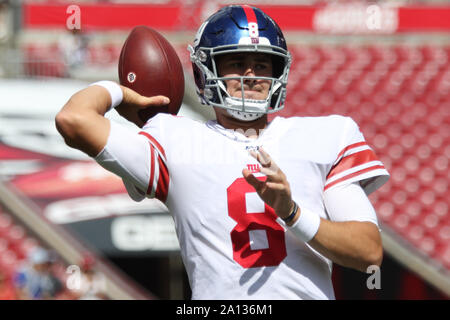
(262, 209)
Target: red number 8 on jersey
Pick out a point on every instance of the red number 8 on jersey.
(253, 222)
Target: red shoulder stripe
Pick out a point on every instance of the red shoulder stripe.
(155, 142)
(353, 175)
(152, 169)
(353, 160)
(162, 188)
(351, 146)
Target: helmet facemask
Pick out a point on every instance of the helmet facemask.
(214, 90)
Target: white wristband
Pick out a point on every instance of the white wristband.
(307, 225)
(114, 91)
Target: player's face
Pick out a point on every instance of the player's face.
(249, 65)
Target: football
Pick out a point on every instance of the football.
(149, 65)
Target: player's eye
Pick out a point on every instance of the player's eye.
(236, 64)
(261, 66)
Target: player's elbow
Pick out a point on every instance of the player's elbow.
(372, 257)
(372, 246)
(68, 124)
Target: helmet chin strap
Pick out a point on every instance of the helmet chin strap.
(256, 105)
(244, 116)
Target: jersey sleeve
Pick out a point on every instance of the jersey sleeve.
(356, 162)
(139, 160)
(349, 203)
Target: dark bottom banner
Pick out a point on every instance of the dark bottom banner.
(205, 309)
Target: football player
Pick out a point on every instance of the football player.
(262, 209)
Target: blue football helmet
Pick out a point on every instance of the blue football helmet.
(235, 29)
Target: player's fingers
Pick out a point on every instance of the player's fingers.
(251, 179)
(153, 101)
(276, 186)
(272, 174)
(263, 161)
(131, 97)
(268, 172)
(264, 155)
(253, 154)
(267, 160)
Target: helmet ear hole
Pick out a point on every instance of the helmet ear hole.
(278, 66)
(198, 77)
(274, 99)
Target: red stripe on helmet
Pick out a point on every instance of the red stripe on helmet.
(250, 13)
(252, 24)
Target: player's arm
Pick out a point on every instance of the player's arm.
(81, 121)
(353, 244)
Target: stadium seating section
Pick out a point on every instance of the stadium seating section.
(14, 243)
(400, 97)
(15, 246)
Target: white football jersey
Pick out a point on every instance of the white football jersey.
(233, 245)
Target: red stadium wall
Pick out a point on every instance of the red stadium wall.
(105, 16)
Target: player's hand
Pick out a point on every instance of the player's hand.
(275, 190)
(132, 102)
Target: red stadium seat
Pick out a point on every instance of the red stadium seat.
(9, 262)
(442, 254)
(386, 210)
(427, 245)
(431, 223)
(427, 197)
(3, 245)
(443, 234)
(416, 233)
(26, 246)
(440, 163)
(5, 224)
(413, 209)
(15, 235)
(412, 186)
(401, 223)
(441, 209)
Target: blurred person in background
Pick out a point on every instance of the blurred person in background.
(35, 279)
(92, 284)
(7, 290)
(73, 46)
